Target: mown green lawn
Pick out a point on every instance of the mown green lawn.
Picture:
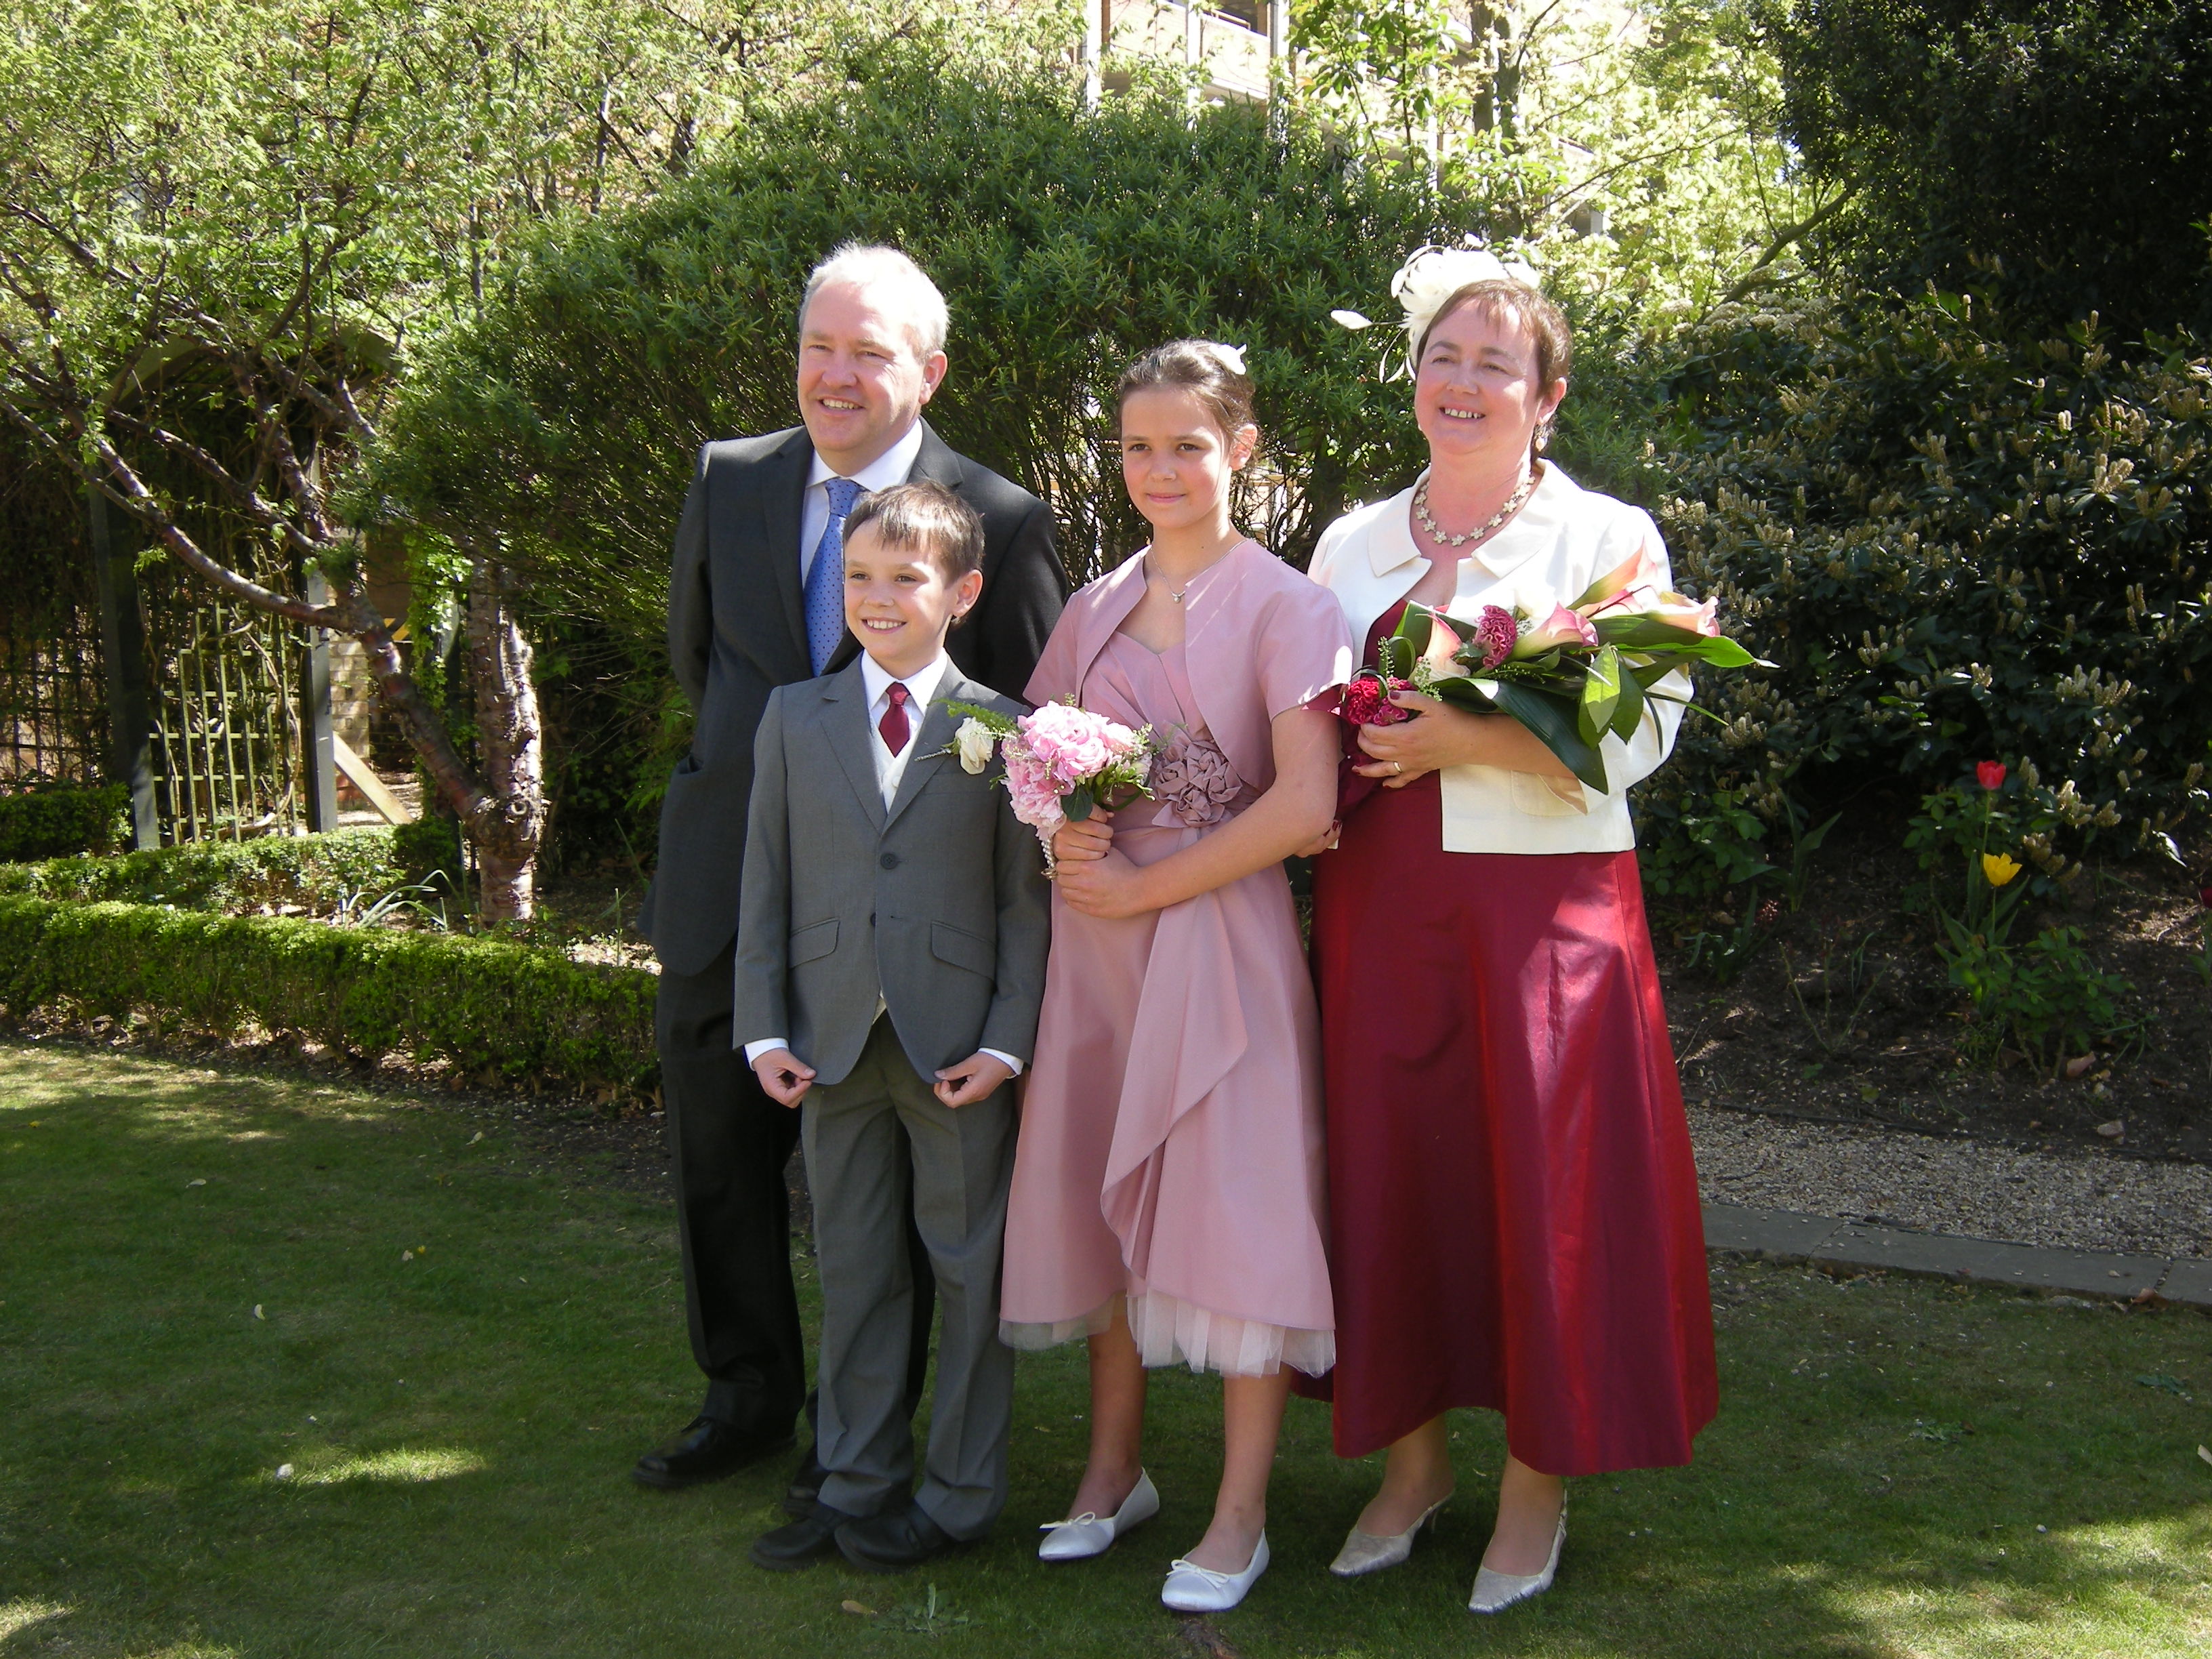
(458, 1426)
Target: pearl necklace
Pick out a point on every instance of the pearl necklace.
(1514, 503)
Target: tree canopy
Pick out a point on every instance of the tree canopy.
(2057, 151)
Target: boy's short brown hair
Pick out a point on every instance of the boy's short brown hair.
(926, 518)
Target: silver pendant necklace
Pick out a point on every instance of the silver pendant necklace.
(1514, 503)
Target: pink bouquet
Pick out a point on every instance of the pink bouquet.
(1063, 762)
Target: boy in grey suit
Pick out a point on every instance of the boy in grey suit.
(891, 940)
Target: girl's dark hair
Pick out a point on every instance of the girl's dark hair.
(1205, 368)
(1517, 303)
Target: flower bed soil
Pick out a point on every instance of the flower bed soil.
(1842, 1011)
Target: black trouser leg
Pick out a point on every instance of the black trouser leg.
(730, 1144)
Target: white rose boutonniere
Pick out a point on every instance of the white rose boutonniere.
(973, 742)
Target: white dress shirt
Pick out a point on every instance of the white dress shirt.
(888, 468)
(890, 770)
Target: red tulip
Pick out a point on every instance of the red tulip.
(1991, 775)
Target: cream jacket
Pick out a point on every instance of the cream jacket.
(1564, 539)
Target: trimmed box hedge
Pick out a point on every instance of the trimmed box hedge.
(524, 1014)
(317, 872)
(49, 821)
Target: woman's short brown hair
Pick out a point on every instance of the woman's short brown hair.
(923, 517)
(1502, 298)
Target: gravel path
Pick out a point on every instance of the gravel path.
(2063, 1200)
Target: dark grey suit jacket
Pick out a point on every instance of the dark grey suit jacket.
(737, 630)
(939, 904)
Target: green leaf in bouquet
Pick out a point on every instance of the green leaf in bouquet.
(1397, 656)
(1075, 805)
(1601, 695)
(1462, 691)
(1648, 674)
(1628, 713)
(1552, 718)
(1414, 628)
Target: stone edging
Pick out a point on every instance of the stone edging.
(1823, 1241)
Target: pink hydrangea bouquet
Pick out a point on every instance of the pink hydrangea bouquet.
(1571, 672)
(1062, 763)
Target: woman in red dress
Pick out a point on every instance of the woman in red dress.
(1515, 1221)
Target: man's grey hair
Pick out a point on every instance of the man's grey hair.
(871, 265)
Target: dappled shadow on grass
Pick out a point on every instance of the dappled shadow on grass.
(459, 1351)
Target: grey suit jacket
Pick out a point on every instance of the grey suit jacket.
(737, 630)
(939, 905)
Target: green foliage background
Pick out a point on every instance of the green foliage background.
(1958, 546)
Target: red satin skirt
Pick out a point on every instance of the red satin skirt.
(1514, 1214)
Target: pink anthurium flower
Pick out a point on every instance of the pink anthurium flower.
(1679, 611)
(1562, 626)
(1640, 569)
(1444, 646)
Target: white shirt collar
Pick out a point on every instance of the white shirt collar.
(921, 684)
(888, 468)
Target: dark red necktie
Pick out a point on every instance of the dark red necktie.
(893, 726)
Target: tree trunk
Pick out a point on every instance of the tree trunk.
(507, 831)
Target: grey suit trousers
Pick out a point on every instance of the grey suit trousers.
(954, 1170)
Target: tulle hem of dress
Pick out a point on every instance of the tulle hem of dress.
(1171, 1331)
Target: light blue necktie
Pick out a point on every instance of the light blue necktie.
(825, 578)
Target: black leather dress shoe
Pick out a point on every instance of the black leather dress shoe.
(790, 1547)
(898, 1541)
(799, 1497)
(708, 1450)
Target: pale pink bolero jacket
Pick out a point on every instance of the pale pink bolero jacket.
(1565, 539)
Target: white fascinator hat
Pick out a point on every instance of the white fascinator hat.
(1432, 274)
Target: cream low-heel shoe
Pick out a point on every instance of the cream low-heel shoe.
(1494, 1592)
(1082, 1536)
(1194, 1589)
(1368, 1552)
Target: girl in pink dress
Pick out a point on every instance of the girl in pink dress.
(1168, 1198)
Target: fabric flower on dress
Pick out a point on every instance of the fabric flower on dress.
(1196, 781)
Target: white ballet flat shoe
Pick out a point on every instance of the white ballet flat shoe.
(1192, 1589)
(1371, 1552)
(1494, 1592)
(1080, 1537)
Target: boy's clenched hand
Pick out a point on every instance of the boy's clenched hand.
(973, 1079)
(785, 1076)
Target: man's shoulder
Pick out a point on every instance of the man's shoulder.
(997, 498)
(720, 452)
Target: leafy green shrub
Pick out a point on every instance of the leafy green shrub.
(2048, 996)
(493, 1008)
(429, 847)
(49, 821)
(322, 873)
(1956, 548)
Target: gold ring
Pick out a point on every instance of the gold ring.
(1398, 769)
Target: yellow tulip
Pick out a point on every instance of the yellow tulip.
(1999, 868)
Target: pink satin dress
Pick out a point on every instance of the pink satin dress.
(1170, 1156)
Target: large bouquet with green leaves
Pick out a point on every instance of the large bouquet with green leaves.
(1569, 673)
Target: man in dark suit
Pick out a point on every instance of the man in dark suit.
(756, 601)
